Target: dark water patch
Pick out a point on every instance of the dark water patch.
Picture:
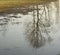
(14, 16)
(4, 23)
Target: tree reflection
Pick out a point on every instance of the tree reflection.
(37, 30)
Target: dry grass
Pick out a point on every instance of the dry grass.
(6, 4)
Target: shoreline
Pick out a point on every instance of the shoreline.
(5, 5)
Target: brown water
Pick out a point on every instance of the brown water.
(32, 31)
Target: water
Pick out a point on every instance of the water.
(19, 35)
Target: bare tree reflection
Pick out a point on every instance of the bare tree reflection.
(38, 29)
(40, 23)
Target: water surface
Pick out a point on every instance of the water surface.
(32, 31)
